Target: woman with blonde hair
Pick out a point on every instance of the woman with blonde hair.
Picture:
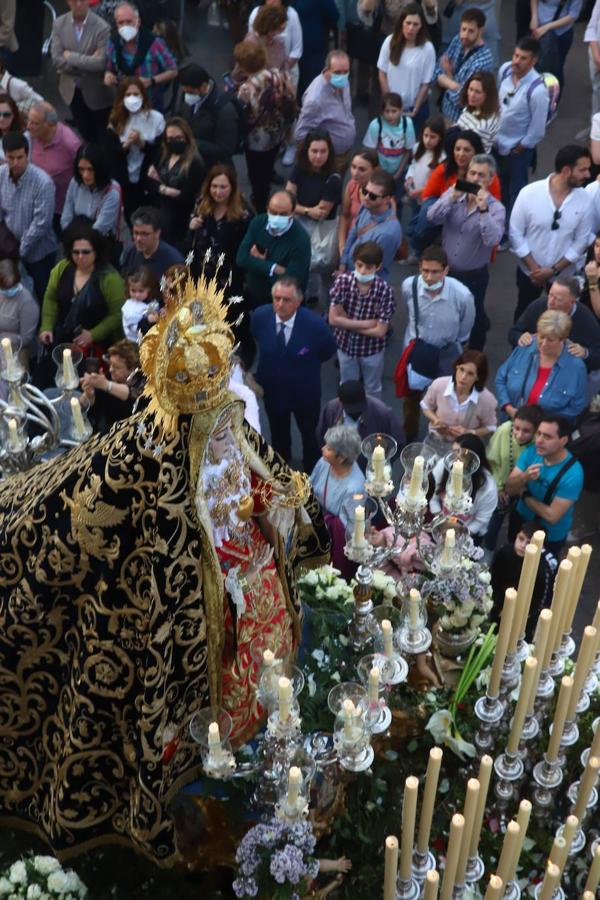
(175, 179)
(131, 140)
(543, 370)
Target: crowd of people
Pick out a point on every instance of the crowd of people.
(140, 184)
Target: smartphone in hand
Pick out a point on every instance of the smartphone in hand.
(467, 187)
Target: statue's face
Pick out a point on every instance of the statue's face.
(221, 440)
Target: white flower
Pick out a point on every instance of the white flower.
(74, 883)
(5, 887)
(443, 730)
(312, 685)
(57, 882)
(310, 578)
(45, 864)
(485, 577)
(34, 892)
(18, 873)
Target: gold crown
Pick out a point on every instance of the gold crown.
(186, 356)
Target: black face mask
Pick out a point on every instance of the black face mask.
(176, 146)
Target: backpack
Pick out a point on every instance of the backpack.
(380, 124)
(552, 86)
(241, 110)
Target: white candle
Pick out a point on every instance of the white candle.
(530, 668)
(13, 435)
(593, 878)
(359, 527)
(456, 483)
(559, 601)
(294, 782)
(449, 541)
(268, 658)
(538, 539)
(349, 711)
(409, 813)
(469, 813)
(285, 698)
(506, 620)
(9, 359)
(414, 600)
(542, 633)
(432, 882)
(523, 822)
(416, 478)
(378, 461)
(214, 741)
(561, 847)
(78, 424)
(550, 882)
(374, 685)
(391, 868)
(483, 777)
(387, 631)
(510, 846)
(560, 715)
(576, 585)
(495, 889)
(427, 806)
(70, 378)
(457, 827)
(586, 785)
(585, 658)
(529, 569)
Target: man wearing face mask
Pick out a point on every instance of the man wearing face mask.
(326, 104)
(441, 312)
(362, 307)
(135, 50)
(274, 245)
(212, 115)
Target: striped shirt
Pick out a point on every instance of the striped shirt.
(27, 208)
(487, 129)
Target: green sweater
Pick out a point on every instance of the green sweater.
(291, 250)
(502, 452)
(111, 284)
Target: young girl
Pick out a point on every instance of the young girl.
(427, 155)
(140, 311)
(393, 135)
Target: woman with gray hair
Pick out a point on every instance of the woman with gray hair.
(544, 372)
(337, 475)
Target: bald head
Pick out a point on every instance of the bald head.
(282, 203)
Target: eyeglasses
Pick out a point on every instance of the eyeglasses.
(81, 252)
(555, 220)
(371, 195)
(6, 115)
(508, 97)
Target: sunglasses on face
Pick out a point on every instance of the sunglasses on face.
(508, 97)
(5, 115)
(81, 252)
(555, 220)
(371, 195)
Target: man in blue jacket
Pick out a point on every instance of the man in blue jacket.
(293, 342)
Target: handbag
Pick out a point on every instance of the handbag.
(9, 245)
(425, 357)
(401, 371)
(324, 249)
(549, 58)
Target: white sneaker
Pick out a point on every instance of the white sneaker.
(289, 155)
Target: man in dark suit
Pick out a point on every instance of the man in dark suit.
(368, 415)
(293, 342)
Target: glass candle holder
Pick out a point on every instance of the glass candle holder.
(293, 789)
(417, 461)
(76, 407)
(372, 672)
(269, 682)
(67, 357)
(13, 433)
(379, 450)
(461, 465)
(11, 369)
(358, 511)
(210, 728)
(347, 690)
(351, 740)
(267, 651)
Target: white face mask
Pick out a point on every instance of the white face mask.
(133, 103)
(436, 286)
(191, 99)
(128, 32)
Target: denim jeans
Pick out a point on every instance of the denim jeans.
(368, 369)
(513, 171)
(528, 292)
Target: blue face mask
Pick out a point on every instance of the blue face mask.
(364, 278)
(12, 291)
(278, 223)
(339, 81)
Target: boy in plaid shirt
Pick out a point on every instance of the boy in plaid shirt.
(360, 312)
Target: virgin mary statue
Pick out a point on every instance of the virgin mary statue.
(135, 571)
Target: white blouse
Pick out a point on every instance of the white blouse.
(149, 123)
(415, 68)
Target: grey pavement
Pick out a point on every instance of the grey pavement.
(211, 47)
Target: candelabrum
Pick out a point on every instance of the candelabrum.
(385, 627)
(556, 666)
(489, 711)
(512, 891)
(31, 424)
(294, 788)
(210, 728)
(413, 637)
(351, 738)
(509, 769)
(547, 775)
(558, 894)
(586, 753)
(408, 889)
(475, 869)
(579, 840)
(511, 673)
(268, 651)
(372, 672)
(282, 737)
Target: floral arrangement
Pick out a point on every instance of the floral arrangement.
(276, 860)
(462, 601)
(325, 587)
(40, 878)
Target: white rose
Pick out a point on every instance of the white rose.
(485, 577)
(18, 873)
(5, 887)
(34, 892)
(310, 578)
(57, 882)
(45, 864)
(73, 881)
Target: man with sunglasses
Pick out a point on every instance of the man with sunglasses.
(376, 221)
(524, 109)
(550, 225)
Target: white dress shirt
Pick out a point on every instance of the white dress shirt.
(287, 326)
(530, 228)
(593, 192)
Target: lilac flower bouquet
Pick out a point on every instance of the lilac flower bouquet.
(275, 860)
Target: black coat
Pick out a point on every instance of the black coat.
(215, 124)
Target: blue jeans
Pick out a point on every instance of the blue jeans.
(513, 171)
(421, 233)
(420, 119)
(527, 293)
(368, 369)
(477, 281)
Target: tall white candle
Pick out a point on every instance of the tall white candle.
(593, 878)
(284, 687)
(576, 585)
(510, 846)
(586, 785)
(70, 378)
(388, 634)
(523, 822)
(530, 668)
(469, 813)
(13, 434)
(359, 527)
(449, 541)
(562, 845)
(529, 569)
(550, 882)
(483, 777)
(495, 888)
(78, 424)
(391, 868)
(428, 804)
(374, 685)
(585, 658)
(457, 827)
(414, 599)
(409, 813)
(456, 482)
(542, 633)
(378, 460)
(432, 883)
(416, 478)
(562, 585)
(9, 359)
(560, 715)
(294, 782)
(214, 741)
(506, 620)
